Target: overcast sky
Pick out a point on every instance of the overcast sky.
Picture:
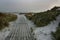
(27, 5)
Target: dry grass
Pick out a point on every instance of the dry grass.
(5, 19)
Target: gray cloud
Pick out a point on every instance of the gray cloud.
(27, 5)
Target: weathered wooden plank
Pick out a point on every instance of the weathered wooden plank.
(21, 31)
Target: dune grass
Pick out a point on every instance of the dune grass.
(5, 19)
(43, 18)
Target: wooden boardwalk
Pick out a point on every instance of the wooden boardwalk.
(21, 30)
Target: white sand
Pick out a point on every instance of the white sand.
(44, 33)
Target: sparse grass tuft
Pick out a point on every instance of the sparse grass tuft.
(56, 35)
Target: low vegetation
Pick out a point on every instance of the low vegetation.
(56, 35)
(31, 29)
(29, 16)
(43, 18)
(5, 19)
